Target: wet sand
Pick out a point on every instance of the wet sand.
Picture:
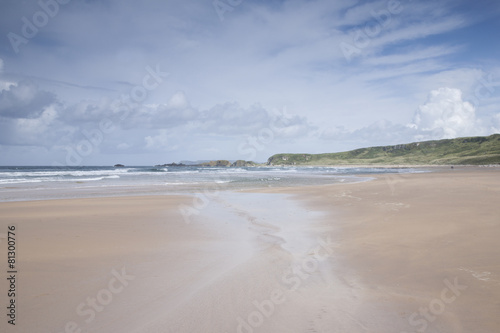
(421, 249)
(402, 253)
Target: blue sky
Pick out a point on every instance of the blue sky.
(105, 82)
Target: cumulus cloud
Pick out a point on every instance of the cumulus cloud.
(496, 123)
(123, 146)
(178, 101)
(290, 126)
(226, 123)
(29, 116)
(176, 112)
(24, 100)
(158, 142)
(127, 115)
(233, 119)
(87, 111)
(381, 132)
(43, 131)
(446, 115)
(230, 118)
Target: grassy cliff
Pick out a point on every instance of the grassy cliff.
(470, 150)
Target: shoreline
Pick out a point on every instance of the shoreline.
(257, 260)
(425, 244)
(74, 189)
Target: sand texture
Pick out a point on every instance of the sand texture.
(401, 253)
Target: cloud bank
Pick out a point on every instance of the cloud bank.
(416, 70)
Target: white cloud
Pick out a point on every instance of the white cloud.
(225, 78)
(43, 131)
(6, 85)
(496, 123)
(123, 146)
(445, 115)
(231, 119)
(178, 101)
(412, 55)
(160, 142)
(125, 114)
(24, 100)
(361, 14)
(381, 132)
(420, 30)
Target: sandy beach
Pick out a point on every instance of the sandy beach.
(400, 253)
(420, 249)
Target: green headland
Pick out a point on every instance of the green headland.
(461, 151)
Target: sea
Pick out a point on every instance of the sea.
(23, 183)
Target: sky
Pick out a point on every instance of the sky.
(101, 82)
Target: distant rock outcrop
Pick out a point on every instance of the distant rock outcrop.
(242, 163)
(218, 163)
(170, 165)
(119, 166)
(225, 163)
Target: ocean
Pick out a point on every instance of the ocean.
(40, 183)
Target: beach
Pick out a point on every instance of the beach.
(412, 252)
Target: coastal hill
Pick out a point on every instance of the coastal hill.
(468, 150)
